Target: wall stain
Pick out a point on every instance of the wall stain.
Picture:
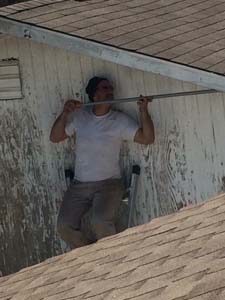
(27, 232)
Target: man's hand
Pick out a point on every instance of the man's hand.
(145, 134)
(143, 104)
(71, 105)
(58, 133)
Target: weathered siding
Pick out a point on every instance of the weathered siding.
(185, 165)
(31, 183)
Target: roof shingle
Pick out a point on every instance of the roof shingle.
(158, 28)
(176, 257)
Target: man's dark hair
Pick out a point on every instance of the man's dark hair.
(92, 86)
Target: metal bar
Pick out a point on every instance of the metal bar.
(152, 97)
(133, 192)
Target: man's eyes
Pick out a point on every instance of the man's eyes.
(107, 87)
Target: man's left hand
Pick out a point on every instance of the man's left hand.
(143, 104)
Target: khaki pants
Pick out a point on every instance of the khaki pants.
(102, 197)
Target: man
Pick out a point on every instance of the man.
(99, 132)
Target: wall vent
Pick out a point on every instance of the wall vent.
(10, 81)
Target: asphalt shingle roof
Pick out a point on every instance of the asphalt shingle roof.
(177, 257)
(190, 32)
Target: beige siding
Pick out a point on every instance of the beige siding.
(185, 165)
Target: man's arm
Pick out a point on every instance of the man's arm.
(145, 135)
(58, 133)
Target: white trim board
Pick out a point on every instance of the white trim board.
(112, 54)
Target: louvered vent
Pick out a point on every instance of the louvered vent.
(10, 83)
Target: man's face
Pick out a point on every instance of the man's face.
(104, 91)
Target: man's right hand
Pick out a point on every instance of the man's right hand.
(71, 105)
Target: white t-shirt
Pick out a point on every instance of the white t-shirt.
(98, 141)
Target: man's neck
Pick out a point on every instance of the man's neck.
(100, 110)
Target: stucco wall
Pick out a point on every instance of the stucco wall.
(185, 165)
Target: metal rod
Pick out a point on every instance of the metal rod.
(160, 96)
